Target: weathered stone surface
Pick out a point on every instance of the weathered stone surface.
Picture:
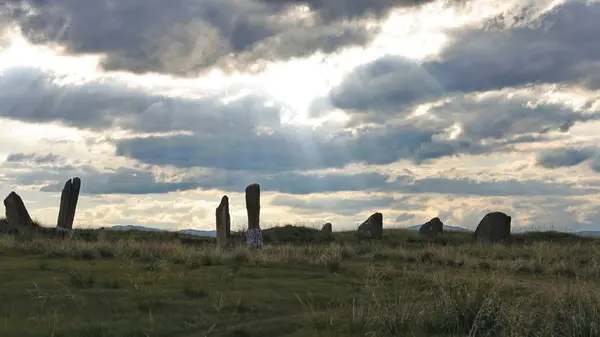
(254, 238)
(372, 227)
(494, 227)
(223, 223)
(17, 217)
(253, 205)
(432, 227)
(68, 205)
(327, 228)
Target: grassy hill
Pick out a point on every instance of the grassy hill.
(116, 283)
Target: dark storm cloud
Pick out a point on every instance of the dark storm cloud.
(564, 157)
(185, 36)
(33, 158)
(33, 96)
(563, 49)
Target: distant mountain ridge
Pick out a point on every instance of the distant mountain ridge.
(446, 228)
(213, 233)
(460, 229)
(197, 232)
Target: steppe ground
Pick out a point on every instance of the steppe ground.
(301, 283)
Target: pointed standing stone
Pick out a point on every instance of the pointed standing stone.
(327, 228)
(17, 216)
(223, 223)
(372, 227)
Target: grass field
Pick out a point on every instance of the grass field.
(163, 284)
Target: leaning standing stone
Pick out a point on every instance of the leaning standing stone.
(68, 205)
(327, 228)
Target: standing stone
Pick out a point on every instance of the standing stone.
(494, 227)
(254, 234)
(223, 223)
(432, 228)
(372, 227)
(253, 205)
(17, 217)
(327, 228)
(68, 205)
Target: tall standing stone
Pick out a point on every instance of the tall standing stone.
(254, 234)
(372, 227)
(17, 217)
(223, 223)
(68, 204)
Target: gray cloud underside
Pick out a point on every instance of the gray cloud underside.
(345, 207)
(487, 125)
(186, 36)
(33, 158)
(140, 181)
(567, 157)
(564, 49)
(246, 134)
(30, 95)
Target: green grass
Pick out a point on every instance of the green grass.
(300, 284)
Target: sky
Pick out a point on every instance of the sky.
(337, 108)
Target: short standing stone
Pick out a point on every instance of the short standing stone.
(494, 227)
(253, 205)
(432, 227)
(372, 227)
(16, 212)
(327, 228)
(223, 223)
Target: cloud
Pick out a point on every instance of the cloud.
(31, 95)
(152, 180)
(184, 37)
(564, 157)
(118, 181)
(332, 204)
(491, 124)
(502, 115)
(562, 49)
(33, 158)
(287, 149)
(404, 217)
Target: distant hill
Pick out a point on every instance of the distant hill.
(150, 229)
(588, 233)
(213, 233)
(446, 228)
